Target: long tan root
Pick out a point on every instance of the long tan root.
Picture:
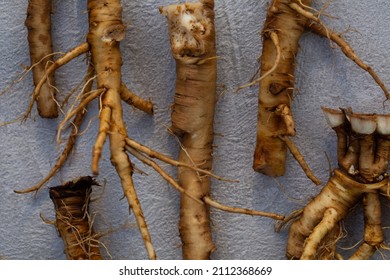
(38, 23)
(193, 42)
(106, 30)
(277, 89)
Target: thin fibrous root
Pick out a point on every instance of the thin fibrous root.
(67, 57)
(287, 219)
(239, 210)
(317, 26)
(275, 40)
(77, 121)
(300, 159)
(27, 69)
(154, 154)
(81, 107)
(159, 170)
(208, 200)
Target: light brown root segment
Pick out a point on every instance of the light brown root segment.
(132, 99)
(73, 220)
(276, 90)
(238, 210)
(300, 159)
(327, 223)
(106, 30)
(38, 23)
(193, 40)
(373, 234)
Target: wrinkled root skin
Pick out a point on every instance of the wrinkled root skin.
(341, 193)
(193, 46)
(73, 221)
(106, 30)
(276, 89)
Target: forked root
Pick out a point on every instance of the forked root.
(106, 30)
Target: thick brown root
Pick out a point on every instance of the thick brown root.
(277, 89)
(38, 23)
(73, 220)
(193, 43)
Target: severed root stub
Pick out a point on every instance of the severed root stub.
(284, 25)
(363, 149)
(73, 220)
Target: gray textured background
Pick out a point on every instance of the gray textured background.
(324, 78)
